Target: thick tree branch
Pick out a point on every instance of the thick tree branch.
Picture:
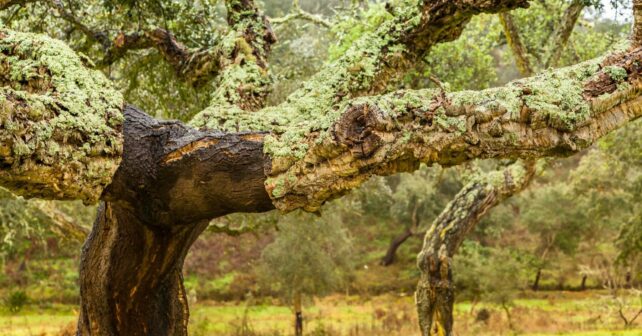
(372, 63)
(436, 293)
(553, 114)
(244, 82)
(61, 134)
(515, 43)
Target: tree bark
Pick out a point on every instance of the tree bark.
(131, 281)
(538, 276)
(563, 32)
(298, 314)
(636, 37)
(391, 253)
(435, 294)
(162, 197)
(515, 43)
(583, 285)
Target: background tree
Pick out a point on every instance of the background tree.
(310, 256)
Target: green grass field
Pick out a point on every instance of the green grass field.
(544, 314)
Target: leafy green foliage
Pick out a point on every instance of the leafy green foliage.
(310, 255)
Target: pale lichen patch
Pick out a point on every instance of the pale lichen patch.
(61, 120)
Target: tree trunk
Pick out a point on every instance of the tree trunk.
(583, 285)
(161, 198)
(391, 254)
(435, 294)
(130, 276)
(298, 315)
(535, 286)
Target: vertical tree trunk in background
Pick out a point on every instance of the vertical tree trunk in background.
(535, 286)
(131, 281)
(515, 43)
(298, 314)
(583, 285)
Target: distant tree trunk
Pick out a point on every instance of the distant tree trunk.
(391, 254)
(628, 280)
(538, 276)
(583, 285)
(298, 315)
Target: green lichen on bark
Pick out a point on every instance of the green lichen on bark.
(616, 73)
(61, 134)
(549, 114)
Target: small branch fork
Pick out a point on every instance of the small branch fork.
(297, 13)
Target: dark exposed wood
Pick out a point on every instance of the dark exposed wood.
(171, 182)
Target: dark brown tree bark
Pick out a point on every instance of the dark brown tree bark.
(435, 296)
(409, 231)
(538, 276)
(391, 253)
(162, 197)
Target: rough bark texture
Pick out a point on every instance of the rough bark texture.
(435, 295)
(61, 122)
(324, 140)
(553, 114)
(171, 182)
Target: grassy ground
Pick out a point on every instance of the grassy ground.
(550, 313)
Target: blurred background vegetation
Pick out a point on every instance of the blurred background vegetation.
(564, 256)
